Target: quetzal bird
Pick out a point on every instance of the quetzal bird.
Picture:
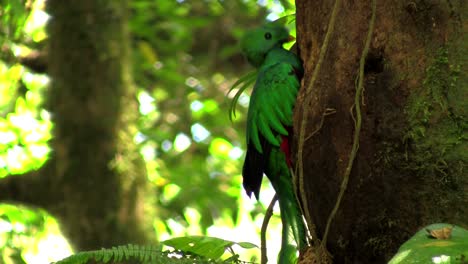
(269, 126)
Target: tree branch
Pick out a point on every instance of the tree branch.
(29, 188)
(35, 60)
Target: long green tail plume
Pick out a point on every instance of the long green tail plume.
(244, 82)
(290, 212)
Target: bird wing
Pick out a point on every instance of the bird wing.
(271, 104)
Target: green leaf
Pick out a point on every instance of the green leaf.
(247, 245)
(209, 247)
(422, 248)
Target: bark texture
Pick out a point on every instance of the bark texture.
(410, 170)
(95, 180)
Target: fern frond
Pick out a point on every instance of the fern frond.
(148, 255)
(143, 254)
(244, 82)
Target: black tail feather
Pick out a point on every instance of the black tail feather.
(255, 165)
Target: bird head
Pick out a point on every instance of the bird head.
(257, 42)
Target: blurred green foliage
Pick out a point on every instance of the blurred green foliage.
(24, 125)
(18, 224)
(186, 58)
(25, 232)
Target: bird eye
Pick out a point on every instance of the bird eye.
(268, 35)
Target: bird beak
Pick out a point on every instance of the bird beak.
(290, 38)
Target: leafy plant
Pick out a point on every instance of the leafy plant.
(143, 254)
(436, 243)
(189, 249)
(211, 248)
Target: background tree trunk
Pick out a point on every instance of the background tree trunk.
(410, 170)
(95, 180)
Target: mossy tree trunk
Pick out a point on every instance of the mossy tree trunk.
(410, 168)
(95, 181)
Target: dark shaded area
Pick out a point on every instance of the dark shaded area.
(374, 62)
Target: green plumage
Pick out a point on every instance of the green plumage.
(269, 122)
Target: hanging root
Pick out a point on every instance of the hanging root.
(299, 182)
(357, 125)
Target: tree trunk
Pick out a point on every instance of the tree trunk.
(95, 180)
(410, 166)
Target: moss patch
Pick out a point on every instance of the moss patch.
(435, 115)
(437, 134)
